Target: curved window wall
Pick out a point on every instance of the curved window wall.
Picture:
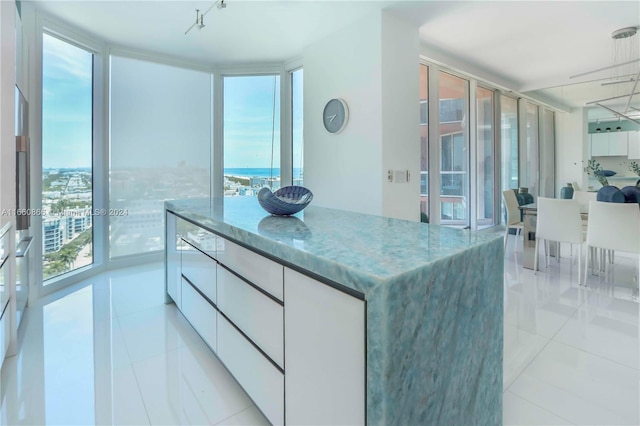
(160, 148)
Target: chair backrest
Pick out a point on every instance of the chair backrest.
(614, 226)
(583, 198)
(559, 220)
(512, 206)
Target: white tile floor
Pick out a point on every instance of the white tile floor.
(110, 351)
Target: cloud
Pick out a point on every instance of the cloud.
(63, 61)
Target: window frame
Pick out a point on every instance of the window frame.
(47, 25)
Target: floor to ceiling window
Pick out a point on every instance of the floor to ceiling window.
(424, 143)
(485, 155)
(454, 155)
(251, 134)
(160, 148)
(509, 142)
(67, 172)
(297, 115)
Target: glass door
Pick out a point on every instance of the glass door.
(454, 152)
(485, 158)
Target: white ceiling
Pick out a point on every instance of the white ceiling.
(532, 44)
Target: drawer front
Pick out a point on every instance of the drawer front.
(196, 236)
(200, 314)
(200, 269)
(259, 378)
(261, 271)
(258, 316)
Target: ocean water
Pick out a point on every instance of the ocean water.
(257, 172)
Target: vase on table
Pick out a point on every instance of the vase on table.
(610, 194)
(524, 197)
(566, 192)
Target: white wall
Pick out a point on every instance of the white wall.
(344, 170)
(400, 117)
(373, 65)
(571, 148)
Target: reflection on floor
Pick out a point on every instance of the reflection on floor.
(571, 353)
(109, 350)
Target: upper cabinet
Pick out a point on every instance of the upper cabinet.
(634, 145)
(609, 144)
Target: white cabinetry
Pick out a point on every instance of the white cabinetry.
(260, 317)
(255, 373)
(324, 353)
(634, 145)
(609, 144)
(301, 358)
(200, 313)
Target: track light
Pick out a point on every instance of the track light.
(199, 23)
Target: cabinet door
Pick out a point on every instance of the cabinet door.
(199, 269)
(618, 144)
(258, 316)
(172, 261)
(200, 314)
(255, 373)
(324, 353)
(634, 145)
(599, 144)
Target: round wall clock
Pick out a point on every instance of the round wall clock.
(335, 115)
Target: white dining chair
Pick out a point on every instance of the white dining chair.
(513, 216)
(614, 227)
(558, 220)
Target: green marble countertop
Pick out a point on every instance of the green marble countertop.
(357, 250)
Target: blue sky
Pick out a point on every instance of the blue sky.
(66, 99)
(155, 109)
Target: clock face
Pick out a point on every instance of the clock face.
(335, 115)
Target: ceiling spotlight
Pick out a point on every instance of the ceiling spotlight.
(199, 23)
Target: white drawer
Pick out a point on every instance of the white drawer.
(259, 378)
(200, 314)
(200, 269)
(258, 316)
(261, 271)
(198, 237)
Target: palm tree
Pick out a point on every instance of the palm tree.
(67, 256)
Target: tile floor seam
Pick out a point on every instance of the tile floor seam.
(597, 355)
(239, 412)
(549, 339)
(528, 364)
(542, 408)
(581, 349)
(575, 396)
(144, 404)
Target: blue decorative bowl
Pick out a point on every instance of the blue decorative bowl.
(606, 173)
(285, 201)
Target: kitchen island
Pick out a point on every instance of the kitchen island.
(334, 317)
